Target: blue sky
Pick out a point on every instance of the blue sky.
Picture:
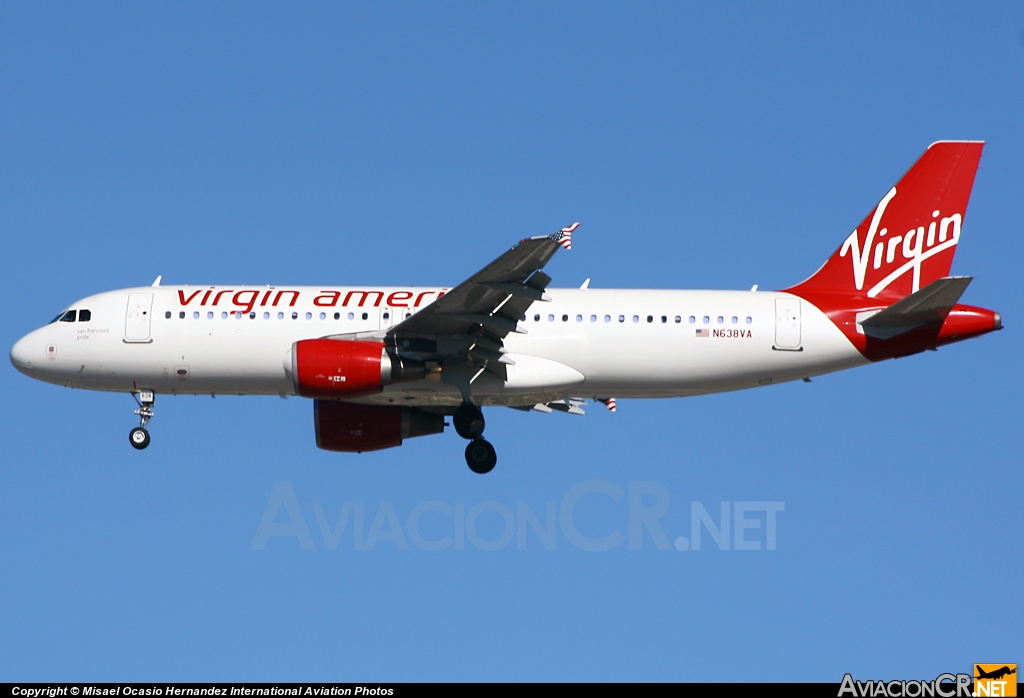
(701, 146)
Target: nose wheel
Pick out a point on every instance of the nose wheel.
(139, 437)
(468, 421)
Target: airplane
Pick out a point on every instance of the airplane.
(385, 364)
(995, 674)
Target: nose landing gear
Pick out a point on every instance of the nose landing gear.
(468, 421)
(139, 437)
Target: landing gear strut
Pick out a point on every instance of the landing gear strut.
(468, 421)
(139, 437)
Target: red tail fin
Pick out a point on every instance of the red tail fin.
(908, 241)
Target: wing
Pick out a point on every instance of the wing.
(468, 324)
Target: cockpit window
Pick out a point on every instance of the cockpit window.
(72, 315)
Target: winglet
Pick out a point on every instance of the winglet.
(564, 236)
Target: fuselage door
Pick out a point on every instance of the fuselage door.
(787, 324)
(137, 318)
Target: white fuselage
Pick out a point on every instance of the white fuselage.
(582, 343)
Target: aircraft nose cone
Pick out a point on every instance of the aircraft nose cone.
(21, 356)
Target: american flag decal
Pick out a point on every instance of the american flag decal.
(704, 332)
(564, 236)
(609, 403)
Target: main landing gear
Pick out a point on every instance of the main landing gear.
(468, 421)
(139, 437)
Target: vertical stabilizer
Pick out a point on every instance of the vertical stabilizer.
(909, 239)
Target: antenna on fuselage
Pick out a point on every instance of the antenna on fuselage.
(157, 282)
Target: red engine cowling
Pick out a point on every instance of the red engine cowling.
(343, 426)
(337, 368)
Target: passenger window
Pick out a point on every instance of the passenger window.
(209, 315)
(266, 316)
(351, 316)
(195, 315)
(622, 318)
(365, 316)
(720, 319)
(636, 318)
(295, 315)
(579, 318)
(536, 318)
(692, 319)
(679, 319)
(706, 319)
(84, 315)
(650, 318)
(323, 316)
(551, 318)
(168, 315)
(607, 318)
(337, 316)
(252, 315)
(664, 319)
(238, 314)
(749, 320)
(565, 318)
(181, 315)
(224, 315)
(593, 318)
(735, 319)
(309, 316)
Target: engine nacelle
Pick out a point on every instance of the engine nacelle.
(343, 426)
(341, 368)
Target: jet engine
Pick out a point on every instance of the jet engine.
(343, 426)
(341, 368)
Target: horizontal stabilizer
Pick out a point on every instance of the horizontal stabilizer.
(929, 305)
